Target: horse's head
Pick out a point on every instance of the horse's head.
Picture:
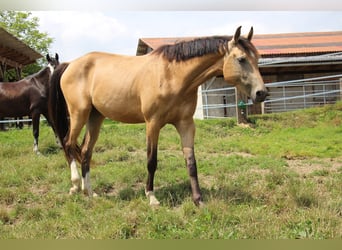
(240, 67)
(52, 62)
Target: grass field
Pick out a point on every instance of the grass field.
(280, 179)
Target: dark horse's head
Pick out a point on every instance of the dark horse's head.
(43, 76)
(53, 62)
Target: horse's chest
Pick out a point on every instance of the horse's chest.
(176, 108)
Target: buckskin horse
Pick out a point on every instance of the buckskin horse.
(158, 88)
(28, 97)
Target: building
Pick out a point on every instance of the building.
(300, 69)
(14, 54)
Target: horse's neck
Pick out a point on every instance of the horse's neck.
(194, 72)
(42, 77)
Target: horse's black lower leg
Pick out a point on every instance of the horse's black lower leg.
(35, 127)
(85, 166)
(2, 125)
(186, 130)
(190, 162)
(152, 133)
(151, 168)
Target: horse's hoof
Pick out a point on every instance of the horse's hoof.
(153, 200)
(90, 194)
(154, 203)
(201, 204)
(73, 190)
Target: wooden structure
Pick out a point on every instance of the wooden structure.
(14, 54)
(284, 57)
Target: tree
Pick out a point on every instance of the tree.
(26, 28)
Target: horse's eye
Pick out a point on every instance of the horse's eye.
(241, 59)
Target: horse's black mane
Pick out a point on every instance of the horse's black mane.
(38, 74)
(39, 78)
(185, 50)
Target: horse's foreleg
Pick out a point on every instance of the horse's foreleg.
(35, 127)
(152, 135)
(186, 130)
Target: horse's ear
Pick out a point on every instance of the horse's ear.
(56, 57)
(235, 39)
(250, 34)
(237, 34)
(48, 58)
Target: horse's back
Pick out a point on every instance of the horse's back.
(107, 82)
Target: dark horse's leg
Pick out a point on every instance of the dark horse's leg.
(35, 127)
(186, 130)
(152, 135)
(2, 125)
(19, 124)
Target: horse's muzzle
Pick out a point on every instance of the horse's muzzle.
(260, 96)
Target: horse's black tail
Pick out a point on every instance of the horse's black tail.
(57, 106)
(58, 112)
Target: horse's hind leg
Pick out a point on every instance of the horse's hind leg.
(90, 138)
(35, 127)
(72, 151)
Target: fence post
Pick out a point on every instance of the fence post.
(241, 110)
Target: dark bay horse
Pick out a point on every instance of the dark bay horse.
(157, 89)
(28, 97)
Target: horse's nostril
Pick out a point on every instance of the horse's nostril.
(261, 95)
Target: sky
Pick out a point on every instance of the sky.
(78, 32)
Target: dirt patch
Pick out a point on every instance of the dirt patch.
(308, 166)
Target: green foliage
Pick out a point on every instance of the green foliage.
(255, 185)
(25, 27)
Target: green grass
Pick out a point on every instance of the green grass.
(280, 179)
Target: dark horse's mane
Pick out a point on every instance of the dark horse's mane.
(39, 73)
(185, 50)
(40, 77)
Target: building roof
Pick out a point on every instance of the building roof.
(271, 45)
(14, 52)
(310, 43)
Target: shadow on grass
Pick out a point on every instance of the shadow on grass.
(51, 150)
(176, 194)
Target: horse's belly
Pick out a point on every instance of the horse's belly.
(128, 112)
(126, 117)
(13, 110)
